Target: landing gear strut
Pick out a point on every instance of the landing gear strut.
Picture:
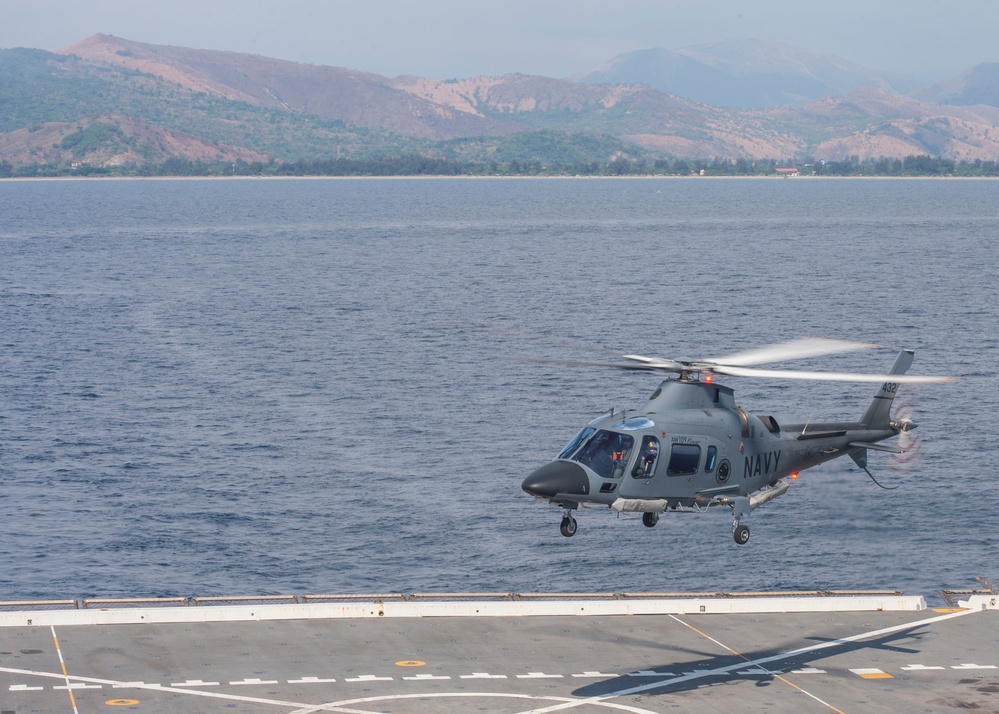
(568, 527)
(740, 507)
(649, 520)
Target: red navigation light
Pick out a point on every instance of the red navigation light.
(794, 475)
(709, 378)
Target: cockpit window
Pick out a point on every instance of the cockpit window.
(683, 459)
(607, 453)
(571, 447)
(645, 466)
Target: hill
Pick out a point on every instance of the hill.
(357, 98)
(110, 102)
(978, 85)
(868, 124)
(673, 73)
(744, 73)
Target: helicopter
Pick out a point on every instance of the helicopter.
(690, 448)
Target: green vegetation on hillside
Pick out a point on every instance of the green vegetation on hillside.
(38, 87)
(96, 136)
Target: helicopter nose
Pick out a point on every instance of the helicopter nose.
(555, 478)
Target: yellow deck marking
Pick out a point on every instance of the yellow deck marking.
(410, 663)
(121, 702)
(65, 674)
(871, 674)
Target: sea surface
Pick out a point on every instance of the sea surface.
(244, 387)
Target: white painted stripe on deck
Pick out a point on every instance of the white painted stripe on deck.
(368, 678)
(202, 693)
(78, 685)
(973, 666)
(424, 677)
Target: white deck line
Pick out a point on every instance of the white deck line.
(429, 608)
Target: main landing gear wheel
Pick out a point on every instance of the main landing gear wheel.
(568, 526)
(741, 534)
(649, 520)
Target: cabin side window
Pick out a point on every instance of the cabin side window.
(710, 459)
(683, 459)
(648, 457)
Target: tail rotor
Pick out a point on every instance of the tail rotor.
(908, 438)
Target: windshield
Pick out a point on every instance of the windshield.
(607, 453)
(571, 447)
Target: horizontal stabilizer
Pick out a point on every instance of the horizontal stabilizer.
(803, 436)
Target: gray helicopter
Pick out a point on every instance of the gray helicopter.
(691, 448)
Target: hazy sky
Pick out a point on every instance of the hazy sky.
(441, 39)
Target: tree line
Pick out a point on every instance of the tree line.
(415, 165)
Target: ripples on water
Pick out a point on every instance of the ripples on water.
(247, 387)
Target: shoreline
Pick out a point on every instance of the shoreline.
(444, 177)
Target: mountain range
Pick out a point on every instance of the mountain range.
(107, 101)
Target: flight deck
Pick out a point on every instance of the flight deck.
(505, 653)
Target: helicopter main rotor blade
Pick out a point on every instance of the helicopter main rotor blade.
(828, 376)
(654, 363)
(738, 364)
(647, 365)
(796, 349)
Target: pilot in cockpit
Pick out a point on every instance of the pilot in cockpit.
(607, 453)
(621, 452)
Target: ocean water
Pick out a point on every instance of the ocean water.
(225, 387)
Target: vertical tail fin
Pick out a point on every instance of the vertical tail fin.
(878, 414)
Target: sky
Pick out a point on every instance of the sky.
(443, 39)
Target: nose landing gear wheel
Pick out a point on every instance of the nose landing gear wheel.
(649, 520)
(741, 534)
(568, 526)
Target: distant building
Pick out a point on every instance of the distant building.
(792, 171)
